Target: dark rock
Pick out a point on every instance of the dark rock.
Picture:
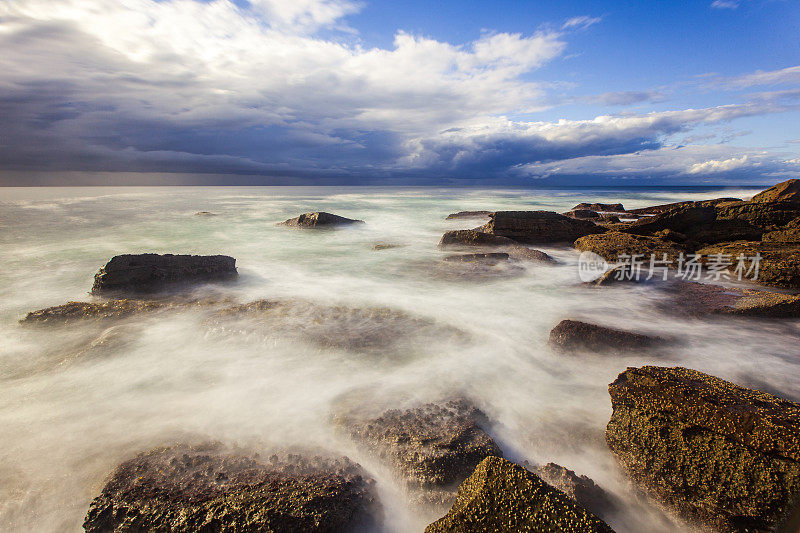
(468, 214)
(656, 209)
(717, 454)
(785, 191)
(700, 299)
(582, 214)
(618, 274)
(501, 496)
(206, 488)
(699, 221)
(573, 335)
(779, 265)
(81, 311)
(610, 246)
(538, 226)
(613, 208)
(582, 489)
(788, 234)
(493, 257)
(473, 237)
(607, 217)
(205, 214)
(433, 447)
(329, 326)
(319, 220)
(387, 246)
(767, 216)
(143, 273)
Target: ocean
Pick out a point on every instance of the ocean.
(66, 421)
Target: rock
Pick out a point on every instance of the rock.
(523, 253)
(468, 214)
(618, 274)
(717, 454)
(785, 191)
(700, 299)
(610, 246)
(532, 227)
(319, 219)
(779, 265)
(789, 234)
(81, 311)
(656, 209)
(142, 273)
(387, 246)
(501, 496)
(574, 336)
(613, 208)
(479, 257)
(581, 489)
(329, 326)
(433, 446)
(698, 221)
(473, 237)
(582, 214)
(205, 214)
(607, 217)
(767, 216)
(206, 488)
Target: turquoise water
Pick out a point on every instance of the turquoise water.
(66, 424)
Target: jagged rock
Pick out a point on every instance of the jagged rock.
(779, 265)
(493, 257)
(582, 214)
(386, 246)
(532, 227)
(501, 496)
(207, 488)
(785, 191)
(717, 454)
(468, 214)
(700, 299)
(319, 219)
(610, 246)
(434, 447)
(329, 326)
(573, 335)
(767, 216)
(613, 208)
(582, 489)
(656, 209)
(788, 234)
(143, 273)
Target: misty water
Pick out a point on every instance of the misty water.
(69, 415)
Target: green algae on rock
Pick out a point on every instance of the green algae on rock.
(205, 488)
(715, 453)
(501, 496)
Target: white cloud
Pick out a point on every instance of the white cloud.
(725, 4)
(785, 76)
(581, 22)
(716, 165)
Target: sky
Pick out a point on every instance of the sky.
(350, 92)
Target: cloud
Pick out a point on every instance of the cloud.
(715, 165)
(622, 98)
(580, 22)
(785, 76)
(725, 4)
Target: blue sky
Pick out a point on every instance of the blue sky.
(502, 93)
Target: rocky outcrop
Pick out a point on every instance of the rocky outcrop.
(468, 214)
(319, 219)
(329, 326)
(610, 246)
(699, 221)
(582, 489)
(785, 191)
(531, 227)
(613, 208)
(717, 454)
(700, 299)
(582, 214)
(575, 336)
(433, 447)
(206, 488)
(501, 496)
(478, 239)
(656, 209)
(779, 265)
(144, 273)
(788, 234)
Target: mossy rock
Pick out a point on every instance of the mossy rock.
(779, 265)
(501, 496)
(610, 246)
(719, 455)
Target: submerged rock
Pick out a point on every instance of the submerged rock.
(205, 214)
(582, 489)
(386, 246)
(717, 454)
(319, 219)
(206, 488)
(434, 447)
(143, 273)
(501, 496)
(613, 245)
(785, 191)
(493, 257)
(532, 227)
(330, 326)
(468, 214)
(573, 335)
(82, 311)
